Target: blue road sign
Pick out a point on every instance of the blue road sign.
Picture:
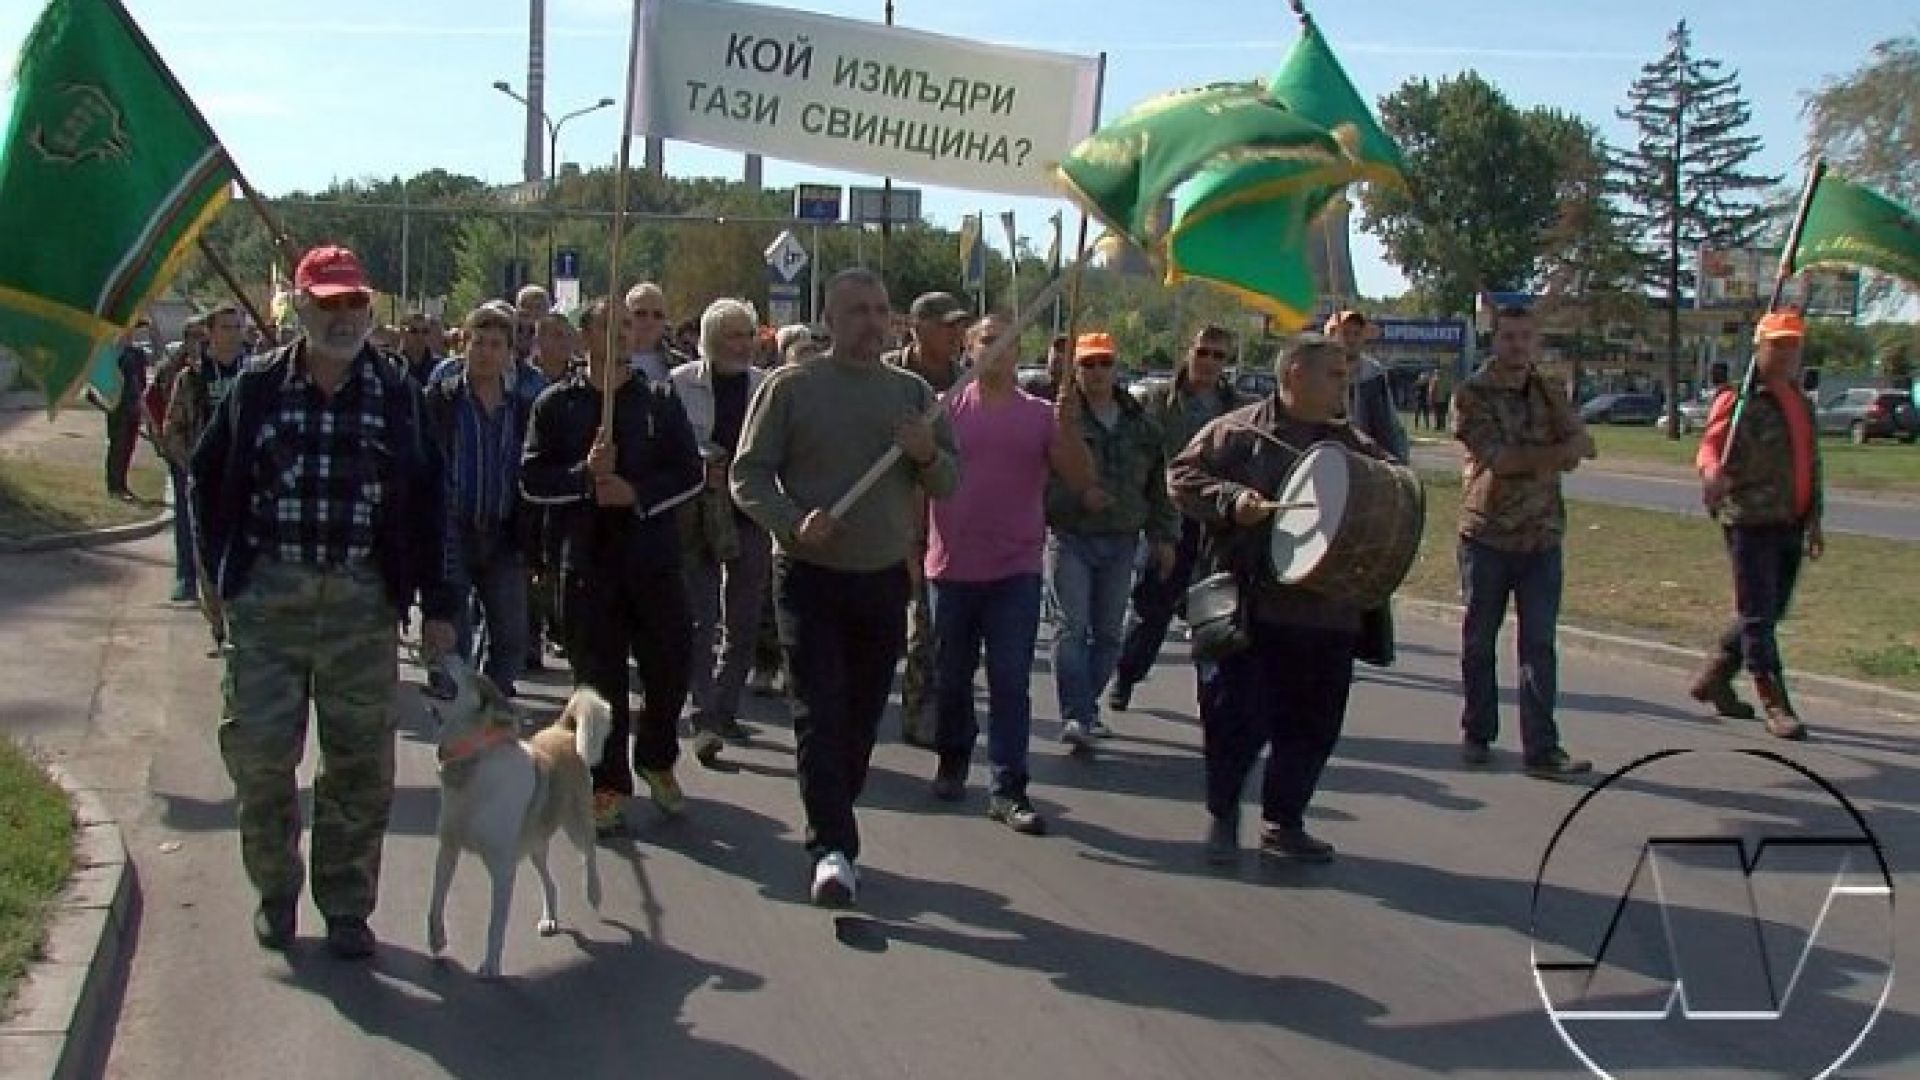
(817, 202)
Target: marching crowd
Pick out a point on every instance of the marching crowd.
(640, 499)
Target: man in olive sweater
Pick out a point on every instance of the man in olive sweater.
(841, 583)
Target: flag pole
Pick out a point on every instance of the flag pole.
(1062, 376)
(225, 273)
(619, 231)
(1780, 279)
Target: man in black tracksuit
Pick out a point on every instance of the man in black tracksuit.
(622, 594)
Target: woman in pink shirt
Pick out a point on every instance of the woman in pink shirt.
(983, 566)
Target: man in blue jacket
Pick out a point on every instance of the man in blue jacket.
(319, 512)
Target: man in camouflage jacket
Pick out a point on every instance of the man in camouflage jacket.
(1520, 434)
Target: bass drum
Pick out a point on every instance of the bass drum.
(1349, 526)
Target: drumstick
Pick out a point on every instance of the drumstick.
(1298, 504)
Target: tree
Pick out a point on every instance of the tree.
(1683, 182)
(1588, 270)
(1480, 191)
(1867, 127)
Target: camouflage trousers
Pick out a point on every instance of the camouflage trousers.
(917, 723)
(304, 635)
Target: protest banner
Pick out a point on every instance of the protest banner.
(846, 94)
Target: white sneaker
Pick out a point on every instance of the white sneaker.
(1075, 734)
(834, 882)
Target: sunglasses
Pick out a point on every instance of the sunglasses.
(353, 301)
(821, 339)
(1211, 354)
(648, 313)
(1106, 363)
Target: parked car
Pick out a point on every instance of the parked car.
(1146, 384)
(1693, 412)
(1864, 413)
(1253, 384)
(1621, 409)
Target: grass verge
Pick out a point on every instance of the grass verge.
(1880, 466)
(44, 497)
(1856, 612)
(36, 855)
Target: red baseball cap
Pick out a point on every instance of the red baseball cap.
(330, 271)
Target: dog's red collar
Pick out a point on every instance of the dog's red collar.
(470, 746)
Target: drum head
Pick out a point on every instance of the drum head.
(1302, 536)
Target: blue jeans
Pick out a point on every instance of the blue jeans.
(1533, 578)
(184, 573)
(490, 568)
(1090, 575)
(1004, 616)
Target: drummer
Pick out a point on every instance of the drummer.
(1287, 690)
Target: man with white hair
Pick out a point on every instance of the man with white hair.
(653, 355)
(531, 304)
(726, 555)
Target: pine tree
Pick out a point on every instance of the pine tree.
(1683, 182)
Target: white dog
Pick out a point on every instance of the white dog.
(503, 797)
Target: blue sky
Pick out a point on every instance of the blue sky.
(307, 93)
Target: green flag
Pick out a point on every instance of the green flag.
(108, 175)
(1847, 223)
(1243, 225)
(1313, 84)
(1123, 172)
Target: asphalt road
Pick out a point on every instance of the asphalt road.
(1103, 950)
(1893, 518)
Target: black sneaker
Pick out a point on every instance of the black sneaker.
(1475, 752)
(1016, 812)
(349, 937)
(1223, 842)
(736, 733)
(1293, 842)
(950, 780)
(1557, 765)
(1120, 695)
(273, 923)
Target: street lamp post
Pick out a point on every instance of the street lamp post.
(553, 155)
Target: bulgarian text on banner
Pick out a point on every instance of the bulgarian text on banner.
(859, 96)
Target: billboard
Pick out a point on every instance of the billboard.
(1741, 278)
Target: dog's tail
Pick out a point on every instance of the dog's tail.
(589, 717)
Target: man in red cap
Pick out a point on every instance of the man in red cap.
(320, 515)
(1765, 492)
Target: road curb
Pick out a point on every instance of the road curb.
(1898, 704)
(64, 1011)
(88, 538)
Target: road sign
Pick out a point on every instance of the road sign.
(869, 206)
(786, 255)
(817, 202)
(783, 303)
(566, 265)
